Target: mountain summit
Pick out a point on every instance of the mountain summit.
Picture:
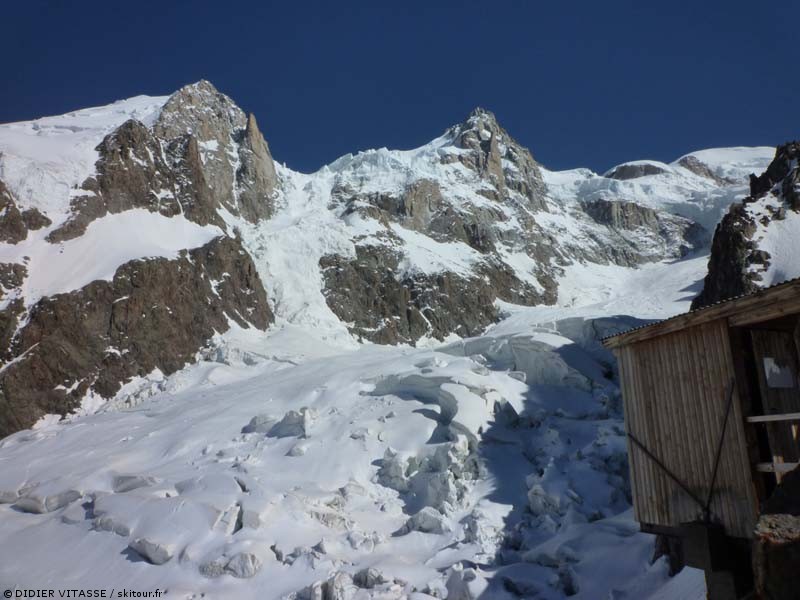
(382, 380)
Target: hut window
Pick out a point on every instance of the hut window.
(778, 375)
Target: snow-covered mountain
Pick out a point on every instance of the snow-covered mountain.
(445, 230)
(387, 246)
(208, 321)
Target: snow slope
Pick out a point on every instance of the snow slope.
(42, 161)
(651, 292)
(96, 255)
(736, 162)
(778, 238)
(490, 464)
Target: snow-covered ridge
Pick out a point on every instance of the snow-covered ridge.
(42, 161)
(736, 162)
(676, 188)
(96, 255)
(469, 202)
(413, 204)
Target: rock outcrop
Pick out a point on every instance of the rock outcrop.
(133, 172)
(203, 158)
(698, 167)
(479, 196)
(683, 233)
(732, 253)
(202, 153)
(236, 160)
(15, 224)
(154, 314)
(634, 171)
(384, 306)
(738, 258)
(782, 174)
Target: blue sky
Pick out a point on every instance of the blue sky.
(580, 83)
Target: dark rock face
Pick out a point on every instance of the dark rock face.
(11, 277)
(256, 179)
(14, 225)
(382, 305)
(783, 170)
(34, 220)
(497, 157)
(421, 207)
(623, 172)
(776, 544)
(12, 228)
(629, 216)
(155, 313)
(731, 250)
(621, 215)
(734, 250)
(133, 172)
(237, 163)
(697, 167)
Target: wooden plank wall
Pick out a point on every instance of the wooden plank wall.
(674, 389)
(783, 437)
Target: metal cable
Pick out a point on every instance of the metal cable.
(664, 468)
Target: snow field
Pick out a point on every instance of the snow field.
(495, 464)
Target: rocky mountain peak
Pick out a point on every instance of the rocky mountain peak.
(482, 116)
(236, 160)
(481, 122)
(500, 159)
(182, 172)
(783, 165)
(749, 246)
(201, 110)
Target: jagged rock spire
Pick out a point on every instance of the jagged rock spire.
(237, 163)
(491, 145)
(481, 114)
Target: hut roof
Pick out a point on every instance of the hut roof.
(767, 303)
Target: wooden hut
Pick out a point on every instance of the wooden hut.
(712, 406)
